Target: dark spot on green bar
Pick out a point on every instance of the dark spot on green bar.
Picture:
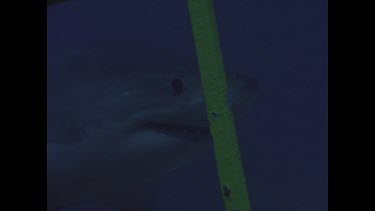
(214, 115)
(226, 191)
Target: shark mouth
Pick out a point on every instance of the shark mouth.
(184, 132)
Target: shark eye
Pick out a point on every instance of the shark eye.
(178, 86)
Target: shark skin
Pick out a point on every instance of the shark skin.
(119, 116)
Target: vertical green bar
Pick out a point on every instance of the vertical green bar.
(206, 38)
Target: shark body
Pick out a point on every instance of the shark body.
(118, 116)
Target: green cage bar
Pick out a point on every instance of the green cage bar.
(222, 126)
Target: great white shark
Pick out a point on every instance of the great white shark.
(119, 116)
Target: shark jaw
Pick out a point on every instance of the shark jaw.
(97, 171)
(183, 132)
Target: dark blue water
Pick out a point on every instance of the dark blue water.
(283, 44)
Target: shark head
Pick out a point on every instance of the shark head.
(119, 116)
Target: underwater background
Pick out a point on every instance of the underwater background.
(283, 44)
